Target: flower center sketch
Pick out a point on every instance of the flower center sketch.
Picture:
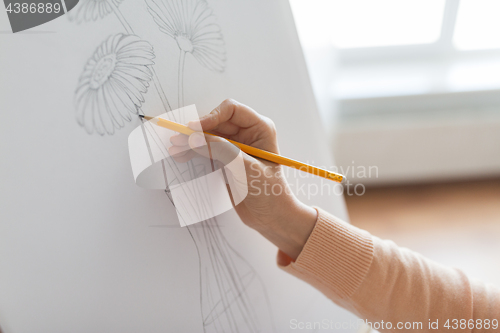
(193, 25)
(111, 87)
(102, 71)
(184, 42)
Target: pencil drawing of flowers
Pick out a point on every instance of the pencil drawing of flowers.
(111, 87)
(91, 10)
(193, 26)
(111, 91)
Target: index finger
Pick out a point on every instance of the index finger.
(228, 111)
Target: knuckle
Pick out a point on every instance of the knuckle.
(229, 105)
(228, 102)
(270, 123)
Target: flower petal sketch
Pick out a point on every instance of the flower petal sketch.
(192, 24)
(111, 87)
(91, 10)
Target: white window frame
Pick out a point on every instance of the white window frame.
(369, 129)
(443, 46)
(441, 54)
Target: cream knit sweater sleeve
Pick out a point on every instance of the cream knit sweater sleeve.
(377, 280)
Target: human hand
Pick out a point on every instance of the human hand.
(270, 207)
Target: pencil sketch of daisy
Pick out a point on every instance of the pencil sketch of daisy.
(193, 26)
(91, 10)
(111, 87)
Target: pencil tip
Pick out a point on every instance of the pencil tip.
(141, 115)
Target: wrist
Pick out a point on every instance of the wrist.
(290, 228)
(300, 223)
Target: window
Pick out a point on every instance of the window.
(369, 23)
(478, 24)
(412, 86)
(389, 48)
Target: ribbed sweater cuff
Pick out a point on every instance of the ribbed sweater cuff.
(335, 258)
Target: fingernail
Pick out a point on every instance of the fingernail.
(196, 140)
(195, 125)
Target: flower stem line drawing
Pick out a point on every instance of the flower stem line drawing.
(112, 88)
(129, 30)
(226, 278)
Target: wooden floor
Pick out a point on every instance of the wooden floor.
(455, 224)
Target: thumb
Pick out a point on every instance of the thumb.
(232, 160)
(198, 143)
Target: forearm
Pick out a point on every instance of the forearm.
(290, 229)
(378, 280)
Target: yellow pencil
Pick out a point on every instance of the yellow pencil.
(256, 152)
